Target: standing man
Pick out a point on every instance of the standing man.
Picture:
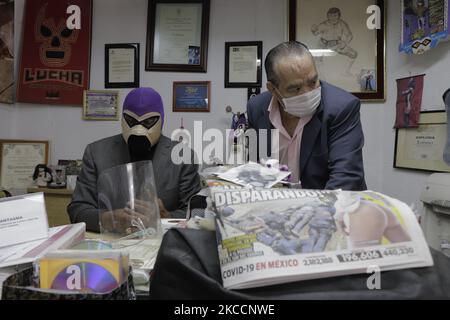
(321, 138)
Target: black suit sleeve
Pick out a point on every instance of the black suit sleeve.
(189, 185)
(250, 112)
(346, 140)
(84, 205)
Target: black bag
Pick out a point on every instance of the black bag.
(19, 287)
(187, 267)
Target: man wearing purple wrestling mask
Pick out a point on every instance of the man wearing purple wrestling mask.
(141, 139)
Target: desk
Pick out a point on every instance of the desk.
(56, 201)
(142, 258)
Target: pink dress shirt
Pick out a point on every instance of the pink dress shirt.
(289, 146)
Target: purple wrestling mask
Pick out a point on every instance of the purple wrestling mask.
(142, 121)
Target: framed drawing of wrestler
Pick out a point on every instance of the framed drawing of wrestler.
(347, 39)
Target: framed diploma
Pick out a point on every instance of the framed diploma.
(243, 64)
(122, 65)
(422, 148)
(191, 96)
(177, 35)
(18, 160)
(101, 105)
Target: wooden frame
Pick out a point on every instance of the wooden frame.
(109, 50)
(367, 82)
(110, 109)
(191, 96)
(422, 148)
(175, 50)
(27, 160)
(235, 80)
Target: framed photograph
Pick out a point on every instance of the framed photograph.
(177, 35)
(72, 167)
(348, 53)
(18, 161)
(122, 65)
(191, 96)
(422, 148)
(243, 67)
(101, 105)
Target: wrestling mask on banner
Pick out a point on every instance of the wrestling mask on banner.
(142, 121)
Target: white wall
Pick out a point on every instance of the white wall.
(407, 184)
(117, 21)
(7, 112)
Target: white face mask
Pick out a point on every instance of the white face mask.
(303, 105)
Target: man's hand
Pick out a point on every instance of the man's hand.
(163, 212)
(120, 220)
(148, 209)
(128, 220)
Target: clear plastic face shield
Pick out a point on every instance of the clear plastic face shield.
(128, 204)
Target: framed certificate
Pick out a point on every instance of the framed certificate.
(243, 64)
(348, 47)
(122, 65)
(422, 148)
(177, 35)
(101, 105)
(191, 96)
(18, 160)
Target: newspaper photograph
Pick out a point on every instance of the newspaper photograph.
(254, 175)
(272, 236)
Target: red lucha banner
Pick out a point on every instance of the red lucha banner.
(409, 101)
(54, 66)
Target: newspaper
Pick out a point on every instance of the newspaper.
(254, 175)
(273, 236)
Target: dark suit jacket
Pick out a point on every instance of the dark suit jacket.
(175, 184)
(197, 275)
(332, 142)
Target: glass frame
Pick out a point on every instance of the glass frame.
(429, 120)
(132, 84)
(177, 107)
(377, 95)
(154, 41)
(258, 61)
(101, 116)
(44, 161)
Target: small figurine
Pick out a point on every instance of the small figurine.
(59, 177)
(239, 123)
(42, 176)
